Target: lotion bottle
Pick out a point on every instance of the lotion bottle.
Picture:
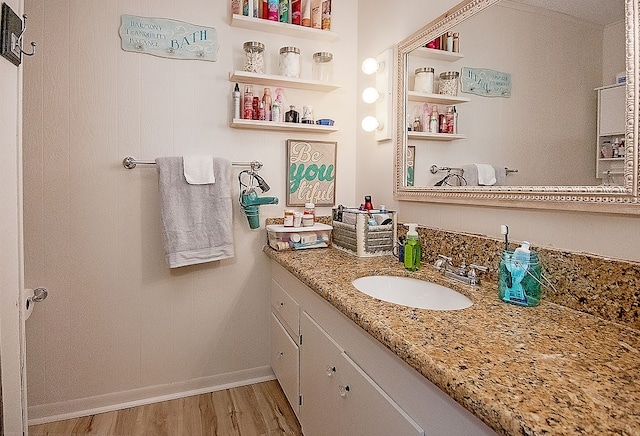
(412, 252)
(236, 102)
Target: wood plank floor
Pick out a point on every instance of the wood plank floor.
(259, 409)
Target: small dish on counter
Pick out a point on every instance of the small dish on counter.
(325, 122)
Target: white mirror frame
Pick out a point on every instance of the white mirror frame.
(610, 199)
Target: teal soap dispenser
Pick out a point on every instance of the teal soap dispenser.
(412, 249)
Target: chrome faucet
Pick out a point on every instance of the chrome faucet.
(468, 276)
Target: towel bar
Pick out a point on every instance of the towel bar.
(130, 163)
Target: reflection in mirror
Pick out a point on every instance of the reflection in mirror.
(546, 128)
(527, 101)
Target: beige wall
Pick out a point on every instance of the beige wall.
(117, 319)
(604, 234)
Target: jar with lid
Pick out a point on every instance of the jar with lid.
(424, 80)
(322, 66)
(310, 209)
(253, 57)
(307, 115)
(289, 61)
(449, 83)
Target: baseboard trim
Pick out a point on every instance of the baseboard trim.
(45, 413)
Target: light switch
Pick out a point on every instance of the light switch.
(10, 31)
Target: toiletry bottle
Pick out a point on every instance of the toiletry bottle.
(412, 249)
(522, 254)
(266, 100)
(449, 123)
(416, 125)
(273, 7)
(283, 11)
(449, 40)
(255, 106)
(236, 102)
(367, 202)
(261, 112)
(277, 109)
(292, 115)
(248, 102)
(456, 42)
(434, 120)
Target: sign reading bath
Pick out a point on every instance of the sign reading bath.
(489, 83)
(168, 38)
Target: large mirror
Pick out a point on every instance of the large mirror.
(539, 82)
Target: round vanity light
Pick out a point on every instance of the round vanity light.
(370, 66)
(370, 95)
(369, 124)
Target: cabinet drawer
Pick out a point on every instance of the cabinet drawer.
(286, 308)
(285, 362)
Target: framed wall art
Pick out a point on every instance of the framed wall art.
(311, 172)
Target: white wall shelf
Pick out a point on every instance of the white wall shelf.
(439, 55)
(436, 98)
(283, 127)
(435, 136)
(281, 81)
(282, 28)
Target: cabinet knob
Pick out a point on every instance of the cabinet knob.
(344, 390)
(330, 370)
(281, 303)
(280, 354)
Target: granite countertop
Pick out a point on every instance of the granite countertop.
(522, 370)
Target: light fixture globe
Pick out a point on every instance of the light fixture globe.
(370, 95)
(369, 124)
(370, 66)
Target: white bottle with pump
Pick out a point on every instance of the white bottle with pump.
(522, 255)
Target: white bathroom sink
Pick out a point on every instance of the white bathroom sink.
(412, 292)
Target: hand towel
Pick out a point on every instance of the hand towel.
(470, 174)
(486, 174)
(198, 170)
(501, 176)
(196, 219)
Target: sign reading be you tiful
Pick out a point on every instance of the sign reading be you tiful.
(168, 38)
(311, 172)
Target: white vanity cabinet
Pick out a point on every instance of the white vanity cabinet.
(611, 132)
(338, 397)
(348, 382)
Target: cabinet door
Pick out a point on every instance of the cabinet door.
(320, 359)
(611, 111)
(286, 308)
(366, 409)
(285, 362)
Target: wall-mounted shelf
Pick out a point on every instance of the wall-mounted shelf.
(282, 28)
(436, 98)
(282, 81)
(435, 136)
(283, 127)
(438, 55)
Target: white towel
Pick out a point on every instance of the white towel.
(501, 176)
(470, 174)
(198, 170)
(486, 174)
(196, 219)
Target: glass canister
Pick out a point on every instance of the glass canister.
(424, 80)
(253, 57)
(520, 282)
(290, 61)
(322, 66)
(449, 83)
(307, 115)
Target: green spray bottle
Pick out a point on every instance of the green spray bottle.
(412, 249)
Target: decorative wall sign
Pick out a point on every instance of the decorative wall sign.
(411, 159)
(168, 38)
(489, 83)
(311, 172)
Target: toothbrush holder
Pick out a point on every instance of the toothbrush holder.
(520, 282)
